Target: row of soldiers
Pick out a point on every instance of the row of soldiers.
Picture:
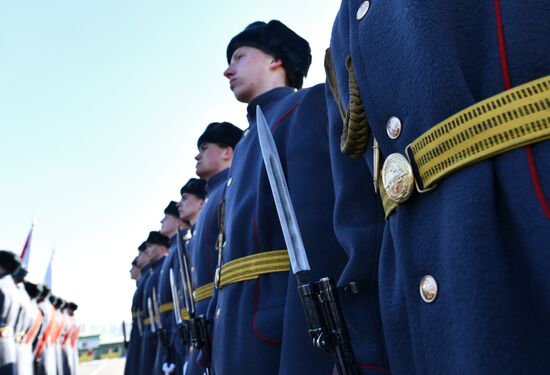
(430, 258)
(38, 333)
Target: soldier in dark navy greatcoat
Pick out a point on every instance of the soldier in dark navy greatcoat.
(444, 106)
(141, 272)
(259, 323)
(157, 249)
(193, 196)
(167, 348)
(216, 145)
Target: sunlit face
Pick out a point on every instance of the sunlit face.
(143, 259)
(248, 73)
(169, 225)
(210, 159)
(135, 273)
(155, 252)
(189, 206)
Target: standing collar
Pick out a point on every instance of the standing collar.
(157, 263)
(266, 99)
(217, 179)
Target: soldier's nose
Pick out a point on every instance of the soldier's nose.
(228, 72)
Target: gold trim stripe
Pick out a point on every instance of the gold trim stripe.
(203, 292)
(252, 266)
(512, 119)
(169, 306)
(5, 331)
(185, 314)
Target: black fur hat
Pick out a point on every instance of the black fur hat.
(172, 210)
(157, 238)
(44, 291)
(19, 274)
(143, 246)
(195, 186)
(278, 40)
(32, 289)
(9, 261)
(72, 306)
(222, 133)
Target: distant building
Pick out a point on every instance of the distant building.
(91, 347)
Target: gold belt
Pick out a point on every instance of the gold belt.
(252, 266)
(5, 331)
(185, 314)
(509, 120)
(203, 292)
(169, 306)
(19, 336)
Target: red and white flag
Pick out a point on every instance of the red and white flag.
(25, 254)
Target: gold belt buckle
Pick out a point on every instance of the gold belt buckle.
(397, 177)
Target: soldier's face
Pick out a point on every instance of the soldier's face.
(189, 206)
(249, 73)
(169, 225)
(142, 259)
(210, 159)
(135, 273)
(155, 252)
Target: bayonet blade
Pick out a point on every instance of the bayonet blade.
(156, 309)
(283, 203)
(175, 297)
(151, 315)
(185, 278)
(139, 322)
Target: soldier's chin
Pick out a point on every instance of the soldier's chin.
(241, 96)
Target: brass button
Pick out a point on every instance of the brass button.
(428, 289)
(218, 313)
(363, 9)
(393, 127)
(192, 269)
(229, 181)
(397, 178)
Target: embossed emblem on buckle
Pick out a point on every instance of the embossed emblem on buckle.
(397, 178)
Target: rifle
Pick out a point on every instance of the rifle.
(124, 335)
(198, 325)
(168, 366)
(326, 325)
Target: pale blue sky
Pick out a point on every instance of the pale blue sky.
(101, 104)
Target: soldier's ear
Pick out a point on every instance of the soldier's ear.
(228, 153)
(276, 63)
